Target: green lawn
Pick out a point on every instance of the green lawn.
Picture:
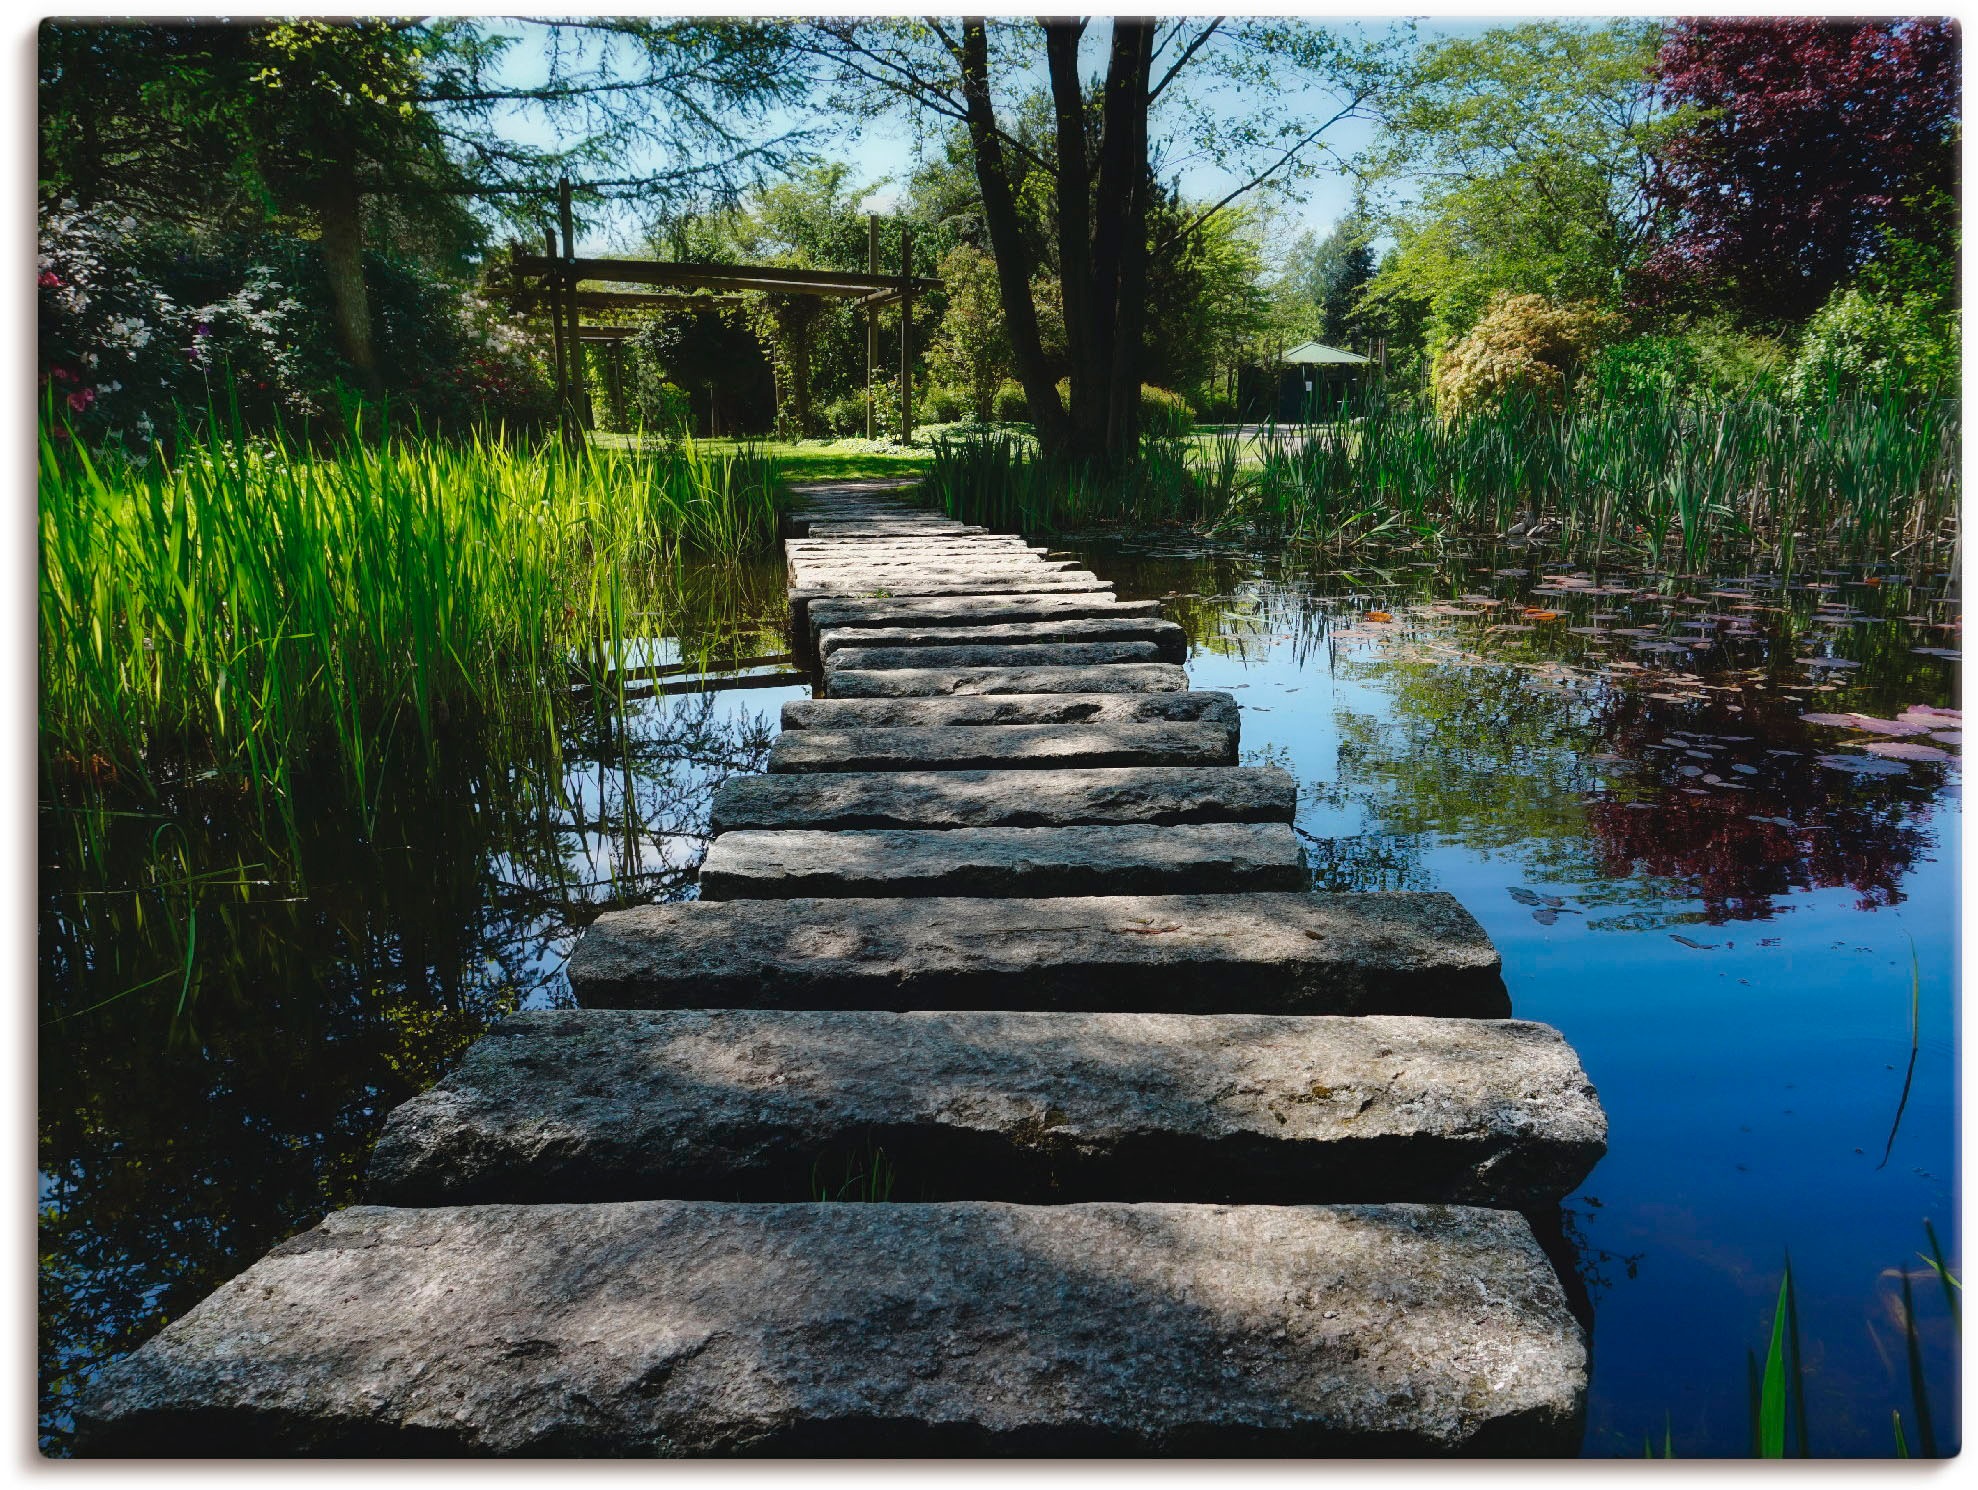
(832, 460)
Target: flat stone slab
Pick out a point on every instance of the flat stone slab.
(1016, 654)
(695, 1328)
(611, 1104)
(971, 711)
(1170, 642)
(1113, 859)
(974, 610)
(1384, 953)
(1043, 581)
(928, 682)
(1006, 799)
(1036, 747)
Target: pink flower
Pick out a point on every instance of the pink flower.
(63, 375)
(80, 401)
(49, 280)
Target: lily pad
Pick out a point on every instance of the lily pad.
(1863, 765)
(1907, 750)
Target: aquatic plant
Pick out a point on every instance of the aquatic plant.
(249, 607)
(1654, 474)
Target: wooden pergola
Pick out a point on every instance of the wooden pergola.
(566, 286)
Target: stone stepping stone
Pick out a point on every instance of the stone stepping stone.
(1169, 640)
(1033, 746)
(1205, 705)
(1057, 581)
(975, 610)
(1005, 799)
(876, 573)
(1123, 859)
(930, 682)
(696, 1327)
(1237, 1108)
(1385, 953)
(1015, 654)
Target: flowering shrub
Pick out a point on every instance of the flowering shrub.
(1522, 342)
(139, 325)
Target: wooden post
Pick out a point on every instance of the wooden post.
(553, 295)
(906, 334)
(871, 327)
(580, 393)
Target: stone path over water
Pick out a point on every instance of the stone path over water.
(1170, 1154)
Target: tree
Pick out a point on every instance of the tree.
(971, 351)
(306, 127)
(1529, 146)
(1804, 140)
(1095, 161)
(1329, 274)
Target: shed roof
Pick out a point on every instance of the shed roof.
(1311, 352)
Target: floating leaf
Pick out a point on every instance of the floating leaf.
(1938, 652)
(1541, 615)
(1699, 946)
(1379, 615)
(1890, 726)
(1545, 916)
(1781, 822)
(1907, 750)
(1862, 765)
(1523, 896)
(1948, 736)
(1837, 721)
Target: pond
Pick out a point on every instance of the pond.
(1744, 919)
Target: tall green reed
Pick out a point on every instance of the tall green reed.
(256, 609)
(1649, 473)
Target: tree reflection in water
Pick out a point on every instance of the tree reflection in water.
(228, 1016)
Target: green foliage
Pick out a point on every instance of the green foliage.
(1164, 415)
(1531, 146)
(1646, 473)
(1861, 340)
(1012, 407)
(247, 605)
(971, 350)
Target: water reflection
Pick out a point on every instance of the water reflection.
(228, 1013)
(1743, 917)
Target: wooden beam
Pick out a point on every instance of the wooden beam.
(846, 283)
(630, 300)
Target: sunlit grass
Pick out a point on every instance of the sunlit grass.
(249, 608)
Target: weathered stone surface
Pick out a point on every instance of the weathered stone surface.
(927, 682)
(939, 564)
(974, 610)
(1012, 708)
(693, 1327)
(1033, 746)
(1006, 799)
(606, 1104)
(1122, 859)
(1057, 581)
(1169, 640)
(1041, 654)
(1179, 954)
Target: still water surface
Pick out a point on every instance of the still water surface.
(1744, 923)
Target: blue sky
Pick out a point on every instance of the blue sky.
(886, 151)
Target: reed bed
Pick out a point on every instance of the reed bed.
(1651, 475)
(258, 611)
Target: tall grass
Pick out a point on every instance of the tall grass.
(252, 608)
(1653, 474)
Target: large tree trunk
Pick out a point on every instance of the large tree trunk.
(340, 210)
(1119, 249)
(999, 213)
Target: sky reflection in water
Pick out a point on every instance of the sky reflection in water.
(1719, 922)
